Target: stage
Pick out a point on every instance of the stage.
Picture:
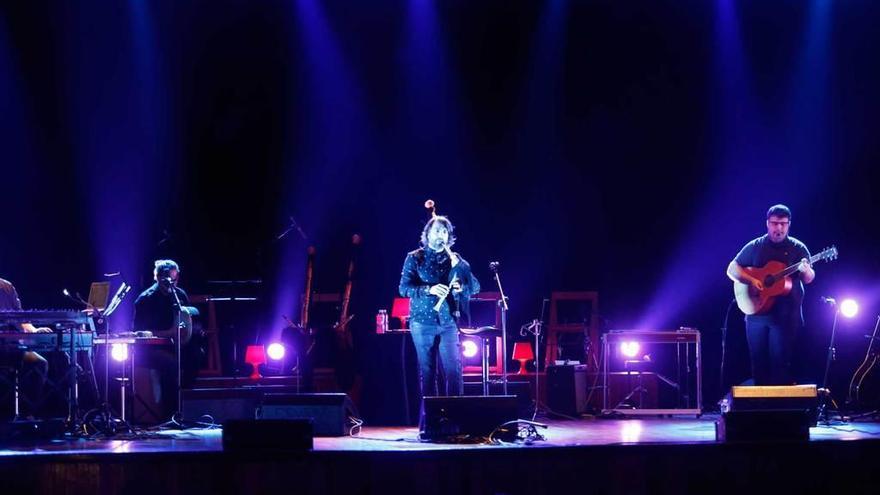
(656, 455)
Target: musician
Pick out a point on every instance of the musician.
(156, 311)
(771, 335)
(32, 367)
(427, 278)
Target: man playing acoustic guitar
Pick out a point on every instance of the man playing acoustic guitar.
(156, 311)
(771, 328)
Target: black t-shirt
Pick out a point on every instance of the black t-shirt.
(155, 309)
(761, 250)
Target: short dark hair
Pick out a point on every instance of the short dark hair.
(164, 267)
(446, 223)
(780, 211)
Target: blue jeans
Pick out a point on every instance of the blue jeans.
(770, 347)
(431, 340)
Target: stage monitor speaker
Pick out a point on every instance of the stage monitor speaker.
(768, 413)
(476, 416)
(27, 431)
(522, 391)
(567, 389)
(273, 435)
(329, 412)
(221, 404)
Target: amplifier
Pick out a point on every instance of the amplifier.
(567, 389)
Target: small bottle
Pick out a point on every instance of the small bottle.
(382, 321)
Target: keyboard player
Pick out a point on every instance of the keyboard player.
(31, 366)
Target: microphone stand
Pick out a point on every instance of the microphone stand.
(177, 416)
(823, 415)
(535, 328)
(504, 307)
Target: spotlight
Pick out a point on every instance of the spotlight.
(849, 308)
(469, 348)
(629, 349)
(119, 352)
(275, 351)
(631, 431)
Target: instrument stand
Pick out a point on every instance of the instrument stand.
(824, 414)
(502, 303)
(73, 422)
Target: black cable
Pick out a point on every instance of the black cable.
(724, 345)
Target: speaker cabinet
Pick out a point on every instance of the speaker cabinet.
(521, 390)
(221, 404)
(328, 412)
(273, 435)
(465, 415)
(768, 413)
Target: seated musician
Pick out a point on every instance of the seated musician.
(32, 367)
(156, 311)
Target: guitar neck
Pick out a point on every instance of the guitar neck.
(793, 268)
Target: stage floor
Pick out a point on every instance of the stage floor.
(628, 456)
(567, 433)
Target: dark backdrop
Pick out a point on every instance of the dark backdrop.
(624, 147)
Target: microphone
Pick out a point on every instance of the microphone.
(166, 280)
(828, 300)
(76, 298)
(494, 266)
(298, 229)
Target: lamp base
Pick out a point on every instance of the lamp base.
(522, 367)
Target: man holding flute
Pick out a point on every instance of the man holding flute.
(439, 284)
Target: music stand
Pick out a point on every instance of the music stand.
(99, 293)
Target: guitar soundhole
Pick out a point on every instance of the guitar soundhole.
(770, 280)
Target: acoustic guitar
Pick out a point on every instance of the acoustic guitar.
(776, 278)
(862, 392)
(183, 319)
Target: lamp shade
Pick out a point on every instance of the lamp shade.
(522, 350)
(400, 310)
(255, 355)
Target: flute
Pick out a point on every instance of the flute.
(441, 299)
(452, 257)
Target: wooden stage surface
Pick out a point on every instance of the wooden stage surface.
(654, 455)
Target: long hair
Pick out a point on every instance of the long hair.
(446, 223)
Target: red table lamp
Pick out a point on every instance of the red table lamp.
(522, 352)
(400, 310)
(255, 355)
